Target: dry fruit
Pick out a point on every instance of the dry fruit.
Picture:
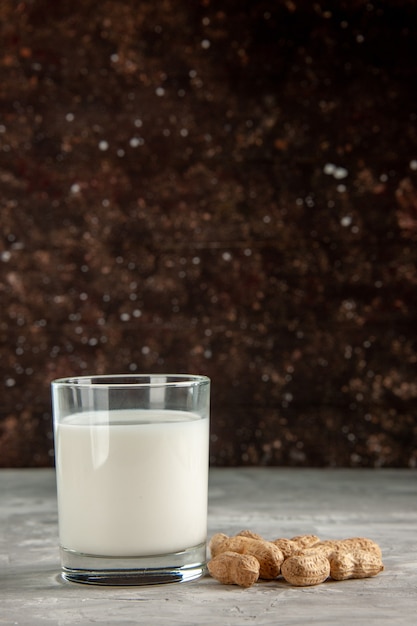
(231, 568)
(305, 570)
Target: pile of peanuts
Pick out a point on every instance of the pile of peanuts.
(303, 560)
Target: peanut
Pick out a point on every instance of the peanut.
(305, 541)
(325, 548)
(291, 546)
(217, 544)
(250, 534)
(333, 546)
(231, 568)
(305, 570)
(287, 547)
(362, 543)
(355, 564)
(269, 556)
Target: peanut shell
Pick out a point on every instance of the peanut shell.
(250, 534)
(306, 570)
(231, 568)
(355, 564)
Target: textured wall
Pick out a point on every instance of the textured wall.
(226, 188)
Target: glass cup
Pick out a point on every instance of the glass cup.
(131, 455)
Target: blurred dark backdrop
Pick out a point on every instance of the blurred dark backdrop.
(225, 188)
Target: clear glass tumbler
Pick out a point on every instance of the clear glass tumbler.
(131, 456)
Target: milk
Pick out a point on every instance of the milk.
(132, 482)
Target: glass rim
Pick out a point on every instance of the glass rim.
(131, 381)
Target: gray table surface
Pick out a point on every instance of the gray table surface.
(275, 502)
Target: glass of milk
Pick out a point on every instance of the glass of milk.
(131, 455)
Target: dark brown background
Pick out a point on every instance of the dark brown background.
(226, 188)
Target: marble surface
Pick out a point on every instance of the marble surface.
(332, 503)
(224, 188)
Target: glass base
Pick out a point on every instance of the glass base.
(91, 569)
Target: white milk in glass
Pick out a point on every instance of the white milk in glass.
(132, 482)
